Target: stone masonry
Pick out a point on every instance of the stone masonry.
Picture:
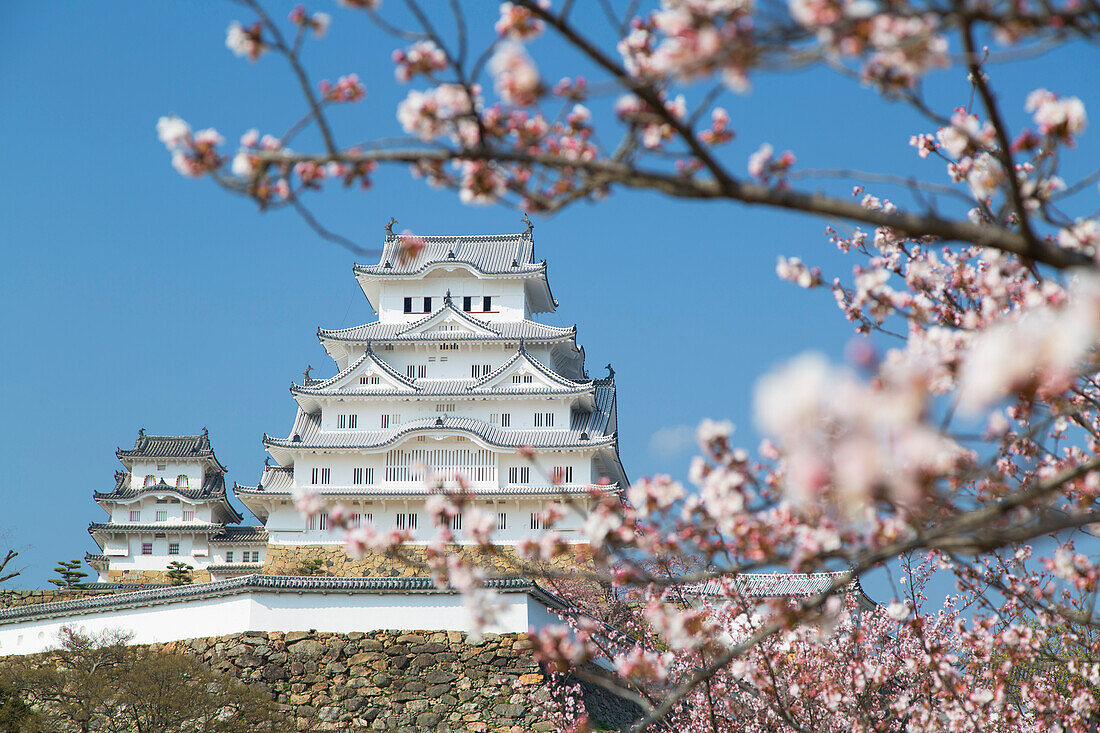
(394, 680)
(288, 559)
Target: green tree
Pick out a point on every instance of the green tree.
(96, 683)
(179, 573)
(71, 574)
(16, 716)
(312, 566)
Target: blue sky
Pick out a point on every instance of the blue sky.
(132, 297)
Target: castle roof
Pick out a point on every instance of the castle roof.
(268, 583)
(455, 387)
(783, 585)
(489, 254)
(586, 429)
(481, 330)
(211, 490)
(179, 447)
(248, 534)
(175, 527)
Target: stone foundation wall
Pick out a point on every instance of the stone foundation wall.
(404, 680)
(385, 680)
(200, 575)
(13, 598)
(288, 559)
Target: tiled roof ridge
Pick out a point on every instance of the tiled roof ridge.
(480, 428)
(538, 365)
(609, 488)
(552, 333)
(276, 583)
(370, 355)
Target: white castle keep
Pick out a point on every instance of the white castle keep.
(453, 378)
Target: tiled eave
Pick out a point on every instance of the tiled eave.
(174, 527)
(261, 583)
(345, 492)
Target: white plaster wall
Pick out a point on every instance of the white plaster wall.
(369, 414)
(286, 526)
(193, 471)
(259, 610)
(509, 298)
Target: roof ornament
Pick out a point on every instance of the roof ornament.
(267, 461)
(584, 436)
(205, 432)
(447, 297)
(296, 438)
(439, 422)
(305, 374)
(530, 227)
(141, 432)
(389, 226)
(370, 349)
(387, 265)
(522, 347)
(610, 372)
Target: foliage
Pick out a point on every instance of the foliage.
(180, 573)
(71, 574)
(16, 715)
(311, 566)
(98, 683)
(966, 434)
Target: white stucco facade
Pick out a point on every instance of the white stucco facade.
(453, 379)
(255, 604)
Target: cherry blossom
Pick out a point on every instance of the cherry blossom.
(423, 57)
(247, 42)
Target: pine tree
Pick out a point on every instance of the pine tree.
(71, 574)
(179, 573)
(313, 566)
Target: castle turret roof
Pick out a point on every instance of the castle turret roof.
(178, 447)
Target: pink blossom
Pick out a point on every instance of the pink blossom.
(519, 23)
(794, 270)
(247, 42)
(348, 88)
(516, 78)
(1061, 117)
(423, 57)
(307, 501)
(318, 22)
(481, 183)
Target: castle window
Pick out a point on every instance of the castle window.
(502, 520)
(467, 303)
(146, 548)
(369, 380)
(229, 556)
(311, 522)
(519, 474)
(536, 521)
(181, 482)
(416, 371)
(388, 420)
(487, 303)
(150, 480)
(135, 515)
(173, 548)
(324, 520)
(347, 421)
(188, 515)
(408, 305)
(321, 475)
(445, 408)
(406, 520)
(409, 464)
(505, 419)
(562, 474)
(162, 466)
(162, 515)
(456, 522)
(544, 419)
(522, 379)
(480, 370)
(362, 476)
(427, 305)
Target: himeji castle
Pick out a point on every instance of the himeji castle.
(170, 504)
(453, 378)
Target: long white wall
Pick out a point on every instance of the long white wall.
(275, 611)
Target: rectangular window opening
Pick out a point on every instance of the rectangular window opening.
(408, 305)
